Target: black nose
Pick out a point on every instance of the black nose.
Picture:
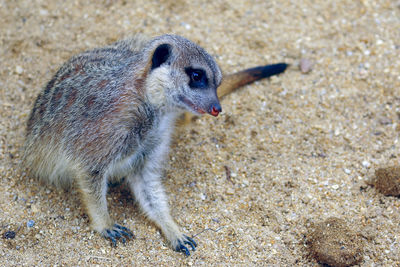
(215, 109)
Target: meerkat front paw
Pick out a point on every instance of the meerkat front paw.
(117, 232)
(179, 245)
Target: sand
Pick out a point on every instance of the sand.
(301, 147)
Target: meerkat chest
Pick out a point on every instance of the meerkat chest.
(151, 148)
(156, 144)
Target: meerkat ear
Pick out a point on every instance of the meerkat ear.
(160, 55)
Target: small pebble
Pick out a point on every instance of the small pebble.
(306, 65)
(331, 242)
(387, 181)
(9, 235)
(363, 74)
(366, 164)
(30, 223)
(19, 69)
(186, 25)
(347, 171)
(43, 12)
(230, 191)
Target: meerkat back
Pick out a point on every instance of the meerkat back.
(71, 102)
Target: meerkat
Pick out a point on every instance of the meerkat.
(109, 113)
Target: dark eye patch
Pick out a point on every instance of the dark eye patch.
(198, 78)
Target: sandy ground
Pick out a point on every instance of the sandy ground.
(301, 147)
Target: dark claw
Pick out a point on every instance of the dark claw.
(111, 237)
(188, 241)
(125, 231)
(191, 241)
(119, 236)
(183, 249)
(118, 232)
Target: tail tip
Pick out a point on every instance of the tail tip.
(281, 67)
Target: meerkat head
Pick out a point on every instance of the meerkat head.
(182, 75)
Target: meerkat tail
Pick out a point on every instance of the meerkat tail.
(236, 80)
(233, 81)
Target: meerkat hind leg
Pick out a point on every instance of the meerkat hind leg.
(94, 197)
(149, 193)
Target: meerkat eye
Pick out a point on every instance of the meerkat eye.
(198, 78)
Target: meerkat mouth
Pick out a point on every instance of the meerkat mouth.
(214, 111)
(191, 105)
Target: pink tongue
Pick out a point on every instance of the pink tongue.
(214, 112)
